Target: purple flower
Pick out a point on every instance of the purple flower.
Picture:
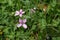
(19, 13)
(22, 23)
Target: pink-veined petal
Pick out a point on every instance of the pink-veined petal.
(19, 25)
(21, 10)
(24, 21)
(20, 20)
(17, 13)
(25, 26)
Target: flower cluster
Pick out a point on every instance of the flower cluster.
(21, 21)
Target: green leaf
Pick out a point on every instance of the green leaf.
(33, 27)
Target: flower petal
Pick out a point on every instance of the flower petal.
(25, 26)
(20, 20)
(17, 13)
(21, 10)
(24, 21)
(19, 25)
(20, 15)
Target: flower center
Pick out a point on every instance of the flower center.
(21, 12)
(22, 22)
